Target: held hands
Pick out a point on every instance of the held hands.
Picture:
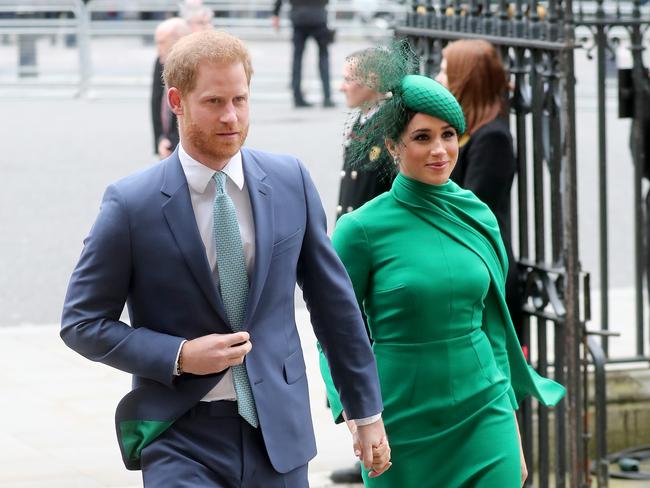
(214, 352)
(371, 446)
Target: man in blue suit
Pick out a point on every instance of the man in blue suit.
(206, 248)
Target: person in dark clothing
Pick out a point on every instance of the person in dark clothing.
(309, 19)
(362, 176)
(165, 129)
(473, 72)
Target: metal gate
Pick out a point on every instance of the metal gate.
(538, 41)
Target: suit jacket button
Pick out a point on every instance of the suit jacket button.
(353, 175)
(343, 174)
(349, 209)
(339, 209)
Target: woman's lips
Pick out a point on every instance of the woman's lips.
(438, 164)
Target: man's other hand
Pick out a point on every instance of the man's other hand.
(215, 352)
(275, 22)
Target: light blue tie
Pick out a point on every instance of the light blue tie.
(233, 282)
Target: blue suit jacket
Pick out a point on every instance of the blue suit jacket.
(145, 249)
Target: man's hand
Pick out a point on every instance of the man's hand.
(275, 22)
(164, 148)
(215, 352)
(374, 451)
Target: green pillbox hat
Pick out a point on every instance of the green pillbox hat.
(423, 94)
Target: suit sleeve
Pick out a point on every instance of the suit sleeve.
(351, 245)
(96, 295)
(490, 167)
(335, 315)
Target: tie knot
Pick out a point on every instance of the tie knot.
(220, 180)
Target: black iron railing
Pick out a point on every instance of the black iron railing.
(538, 42)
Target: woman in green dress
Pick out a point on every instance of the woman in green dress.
(428, 267)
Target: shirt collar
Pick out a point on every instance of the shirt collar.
(363, 118)
(199, 175)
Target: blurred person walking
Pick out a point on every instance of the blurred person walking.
(165, 130)
(474, 73)
(206, 248)
(198, 16)
(428, 268)
(309, 19)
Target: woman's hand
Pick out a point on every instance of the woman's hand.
(356, 445)
(380, 458)
(522, 459)
(524, 468)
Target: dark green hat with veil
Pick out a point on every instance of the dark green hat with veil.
(391, 70)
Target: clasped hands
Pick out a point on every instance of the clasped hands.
(370, 445)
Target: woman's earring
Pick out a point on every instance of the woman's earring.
(396, 160)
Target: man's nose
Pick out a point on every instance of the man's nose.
(229, 114)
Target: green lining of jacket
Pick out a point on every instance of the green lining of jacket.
(137, 434)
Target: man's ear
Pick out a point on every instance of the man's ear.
(175, 100)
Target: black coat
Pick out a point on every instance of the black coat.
(364, 179)
(487, 166)
(157, 90)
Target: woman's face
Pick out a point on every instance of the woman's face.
(442, 76)
(427, 150)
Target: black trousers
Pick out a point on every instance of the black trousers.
(300, 35)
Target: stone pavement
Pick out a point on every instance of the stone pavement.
(56, 427)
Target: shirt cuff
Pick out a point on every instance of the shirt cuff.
(367, 420)
(178, 356)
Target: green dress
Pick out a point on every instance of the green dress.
(428, 266)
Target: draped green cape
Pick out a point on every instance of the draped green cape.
(462, 216)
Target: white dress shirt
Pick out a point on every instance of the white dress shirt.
(202, 192)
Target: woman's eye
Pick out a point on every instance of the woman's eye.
(448, 134)
(422, 137)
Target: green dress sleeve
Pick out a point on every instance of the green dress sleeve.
(497, 337)
(523, 378)
(351, 245)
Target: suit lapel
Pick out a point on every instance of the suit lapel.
(180, 217)
(261, 203)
